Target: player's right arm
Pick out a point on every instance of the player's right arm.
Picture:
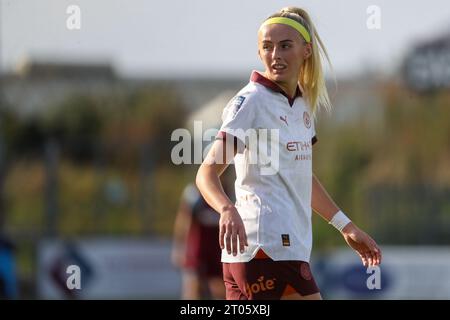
(231, 227)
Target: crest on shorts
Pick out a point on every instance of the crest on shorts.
(305, 272)
(306, 120)
(236, 104)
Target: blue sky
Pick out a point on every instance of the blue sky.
(207, 37)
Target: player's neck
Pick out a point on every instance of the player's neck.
(290, 88)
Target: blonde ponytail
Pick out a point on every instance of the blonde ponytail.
(311, 77)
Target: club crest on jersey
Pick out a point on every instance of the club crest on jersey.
(236, 104)
(306, 120)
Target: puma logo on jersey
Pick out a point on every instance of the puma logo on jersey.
(284, 119)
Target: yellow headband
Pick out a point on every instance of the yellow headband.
(292, 23)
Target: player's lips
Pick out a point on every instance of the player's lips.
(277, 67)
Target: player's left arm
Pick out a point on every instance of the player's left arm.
(357, 239)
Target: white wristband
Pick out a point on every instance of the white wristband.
(339, 220)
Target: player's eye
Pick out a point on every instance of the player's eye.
(286, 45)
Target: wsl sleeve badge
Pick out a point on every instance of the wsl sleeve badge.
(235, 105)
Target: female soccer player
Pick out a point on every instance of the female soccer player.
(266, 235)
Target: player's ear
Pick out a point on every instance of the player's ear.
(259, 54)
(308, 51)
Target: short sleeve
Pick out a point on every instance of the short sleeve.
(238, 116)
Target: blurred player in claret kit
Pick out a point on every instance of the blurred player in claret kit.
(196, 249)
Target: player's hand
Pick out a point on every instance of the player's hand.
(231, 229)
(363, 244)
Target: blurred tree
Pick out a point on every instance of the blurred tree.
(144, 117)
(75, 125)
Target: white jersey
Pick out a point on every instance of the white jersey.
(275, 209)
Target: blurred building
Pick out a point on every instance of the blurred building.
(34, 86)
(427, 65)
(211, 112)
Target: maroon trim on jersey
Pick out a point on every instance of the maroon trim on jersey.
(259, 78)
(222, 135)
